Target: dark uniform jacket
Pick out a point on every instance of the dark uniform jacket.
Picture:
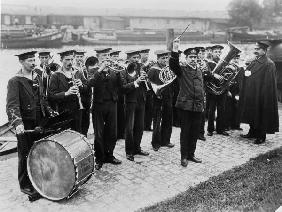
(131, 92)
(59, 84)
(22, 101)
(105, 86)
(191, 93)
(258, 96)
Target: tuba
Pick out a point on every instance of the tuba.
(166, 76)
(226, 70)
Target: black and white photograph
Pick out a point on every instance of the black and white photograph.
(145, 105)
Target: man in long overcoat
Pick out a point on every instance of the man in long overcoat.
(258, 96)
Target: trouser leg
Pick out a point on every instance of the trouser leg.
(129, 124)
(138, 126)
(194, 133)
(166, 124)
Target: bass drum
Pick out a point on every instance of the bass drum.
(59, 164)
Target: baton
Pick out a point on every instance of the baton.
(183, 32)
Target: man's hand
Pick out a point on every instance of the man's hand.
(176, 45)
(78, 82)
(139, 80)
(104, 65)
(72, 91)
(218, 77)
(20, 129)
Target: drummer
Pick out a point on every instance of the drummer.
(25, 109)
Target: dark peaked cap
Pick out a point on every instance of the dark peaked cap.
(114, 52)
(26, 55)
(144, 50)
(217, 47)
(43, 53)
(191, 51)
(200, 48)
(132, 52)
(263, 44)
(67, 53)
(102, 50)
(160, 53)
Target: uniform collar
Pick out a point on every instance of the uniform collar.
(262, 59)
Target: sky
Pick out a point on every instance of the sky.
(145, 4)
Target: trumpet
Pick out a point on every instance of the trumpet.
(115, 66)
(142, 72)
(78, 93)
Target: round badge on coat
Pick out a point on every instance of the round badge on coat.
(248, 73)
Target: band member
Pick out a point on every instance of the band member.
(144, 55)
(232, 119)
(134, 87)
(216, 102)
(44, 70)
(258, 96)
(190, 101)
(26, 108)
(162, 104)
(79, 66)
(114, 55)
(208, 53)
(66, 87)
(203, 67)
(90, 65)
(105, 83)
(79, 58)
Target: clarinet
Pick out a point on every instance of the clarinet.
(78, 93)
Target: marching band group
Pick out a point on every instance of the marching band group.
(128, 97)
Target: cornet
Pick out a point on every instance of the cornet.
(115, 65)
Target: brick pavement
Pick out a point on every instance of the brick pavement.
(148, 180)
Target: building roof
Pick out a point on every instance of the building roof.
(126, 12)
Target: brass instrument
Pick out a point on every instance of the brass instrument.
(167, 77)
(142, 66)
(226, 70)
(78, 93)
(116, 66)
(53, 67)
(145, 80)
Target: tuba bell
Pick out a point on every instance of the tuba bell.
(226, 70)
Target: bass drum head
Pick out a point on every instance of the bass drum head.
(51, 169)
